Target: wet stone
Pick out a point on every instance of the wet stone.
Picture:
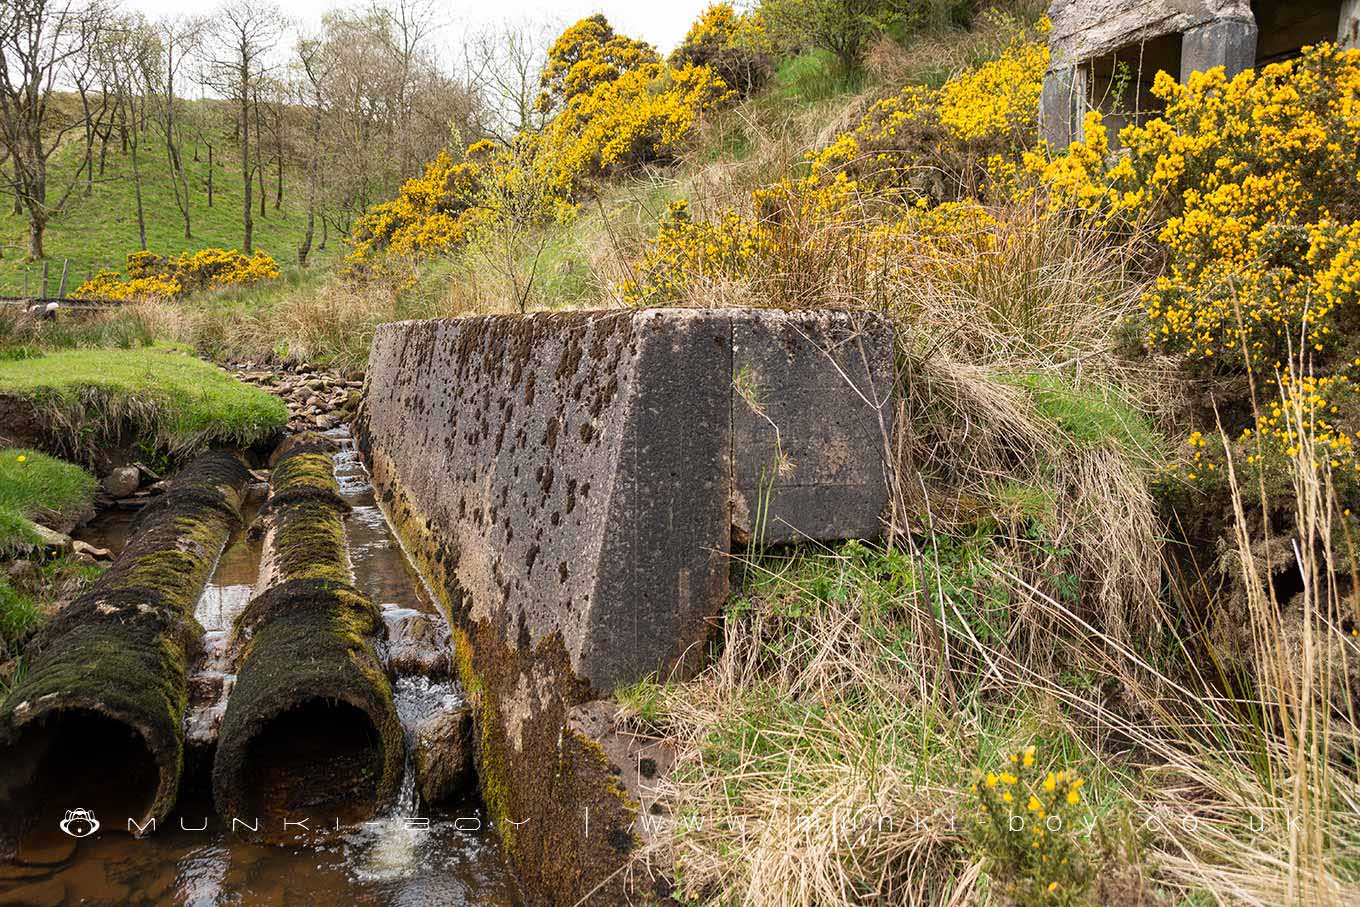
(122, 482)
(443, 755)
(416, 642)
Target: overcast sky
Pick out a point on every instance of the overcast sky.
(661, 22)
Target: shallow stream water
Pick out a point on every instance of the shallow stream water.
(414, 856)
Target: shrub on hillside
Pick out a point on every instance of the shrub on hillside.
(152, 276)
(617, 108)
(729, 43)
(587, 55)
(906, 180)
(1250, 183)
(846, 27)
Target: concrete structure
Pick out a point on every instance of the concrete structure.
(1105, 53)
(571, 485)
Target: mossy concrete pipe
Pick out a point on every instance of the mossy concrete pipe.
(572, 486)
(311, 733)
(97, 721)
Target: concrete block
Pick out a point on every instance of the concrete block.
(580, 471)
(1230, 43)
(811, 417)
(568, 484)
(1086, 29)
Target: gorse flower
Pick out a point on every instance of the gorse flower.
(151, 276)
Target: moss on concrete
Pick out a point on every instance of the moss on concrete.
(307, 638)
(566, 822)
(123, 648)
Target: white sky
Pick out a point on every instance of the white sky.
(661, 22)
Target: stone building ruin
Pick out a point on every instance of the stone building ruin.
(1106, 53)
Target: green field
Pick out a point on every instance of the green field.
(98, 231)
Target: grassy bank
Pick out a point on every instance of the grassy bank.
(36, 487)
(158, 396)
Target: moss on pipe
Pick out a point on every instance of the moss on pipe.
(119, 655)
(311, 728)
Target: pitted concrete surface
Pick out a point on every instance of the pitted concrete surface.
(583, 471)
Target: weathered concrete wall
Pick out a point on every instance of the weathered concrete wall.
(1083, 29)
(585, 469)
(568, 484)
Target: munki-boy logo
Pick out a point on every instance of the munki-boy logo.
(79, 823)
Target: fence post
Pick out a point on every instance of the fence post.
(61, 288)
(44, 285)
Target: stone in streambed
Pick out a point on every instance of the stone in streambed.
(416, 643)
(122, 481)
(443, 755)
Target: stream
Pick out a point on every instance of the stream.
(415, 856)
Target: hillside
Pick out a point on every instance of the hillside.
(98, 231)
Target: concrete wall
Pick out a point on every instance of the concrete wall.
(1211, 32)
(570, 483)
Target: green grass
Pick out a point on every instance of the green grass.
(98, 232)
(1092, 415)
(814, 76)
(34, 486)
(168, 398)
(18, 616)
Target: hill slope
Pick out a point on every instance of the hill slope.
(98, 231)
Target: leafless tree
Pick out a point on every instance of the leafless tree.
(41, 43)
(243, 35)
(503, 64)
(179, 38)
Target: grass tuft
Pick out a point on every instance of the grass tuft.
(36, 487)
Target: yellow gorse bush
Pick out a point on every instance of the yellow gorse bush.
(1253, 186)
(1029, 824)
(1254, 182)
(903, 180)
(616, 106)
(151, 276)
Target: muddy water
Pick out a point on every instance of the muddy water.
(415, 856)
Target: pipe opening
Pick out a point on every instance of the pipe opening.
(75, 759)
(320, 758)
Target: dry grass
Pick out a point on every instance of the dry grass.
(854, 686)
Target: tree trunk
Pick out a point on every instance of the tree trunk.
(210, 174)
(137, 191)
(312, 161)
(37, 225)
(246, 176)
(259, 172)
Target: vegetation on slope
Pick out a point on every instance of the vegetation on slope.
(37, 488)
(160, 394)
(97, 231)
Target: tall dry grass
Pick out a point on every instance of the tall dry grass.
(852, 688)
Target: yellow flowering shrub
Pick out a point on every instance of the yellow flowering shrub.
(874, 201)
(587, 55)
(730, 43)
(942, 144)
(151, 276)
(1253, 184)
(616, 106)
(1028, 825)
(430, 213)
(640, 117)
